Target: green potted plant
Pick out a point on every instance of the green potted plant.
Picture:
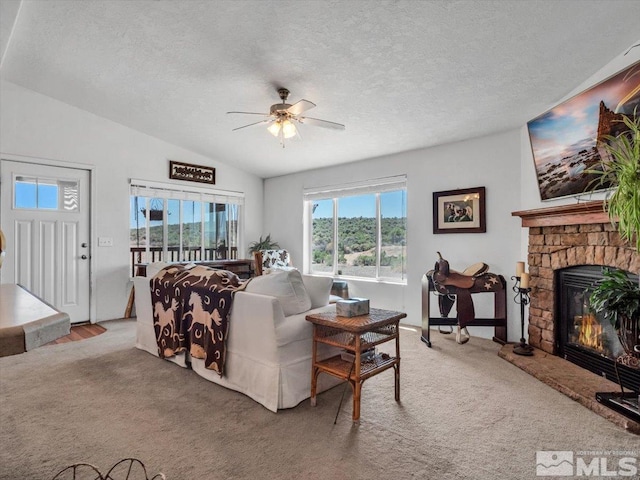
(266, 244)
(621, 169)
(618, 298)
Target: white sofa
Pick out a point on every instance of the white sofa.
(268, 356)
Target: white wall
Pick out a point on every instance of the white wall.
(491, 161)
(39, 127)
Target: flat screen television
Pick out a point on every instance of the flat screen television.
(565, 139)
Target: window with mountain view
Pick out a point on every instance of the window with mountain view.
(357, 236)
(367, 228)
(183, 229)
(322, 243)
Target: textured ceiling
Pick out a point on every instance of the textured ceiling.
(400, 75)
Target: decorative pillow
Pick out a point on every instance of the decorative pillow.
(287, 287)
(318, 289)
(275, 258)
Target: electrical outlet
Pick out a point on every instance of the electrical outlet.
(105, 242)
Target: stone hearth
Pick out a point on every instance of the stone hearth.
(561, 237)
(573, 381)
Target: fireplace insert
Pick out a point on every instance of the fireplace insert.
(589, 340)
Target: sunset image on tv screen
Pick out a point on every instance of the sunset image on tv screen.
(566, 140)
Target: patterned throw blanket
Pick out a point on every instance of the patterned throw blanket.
(191, 309)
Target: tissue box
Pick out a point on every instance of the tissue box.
(352, 307)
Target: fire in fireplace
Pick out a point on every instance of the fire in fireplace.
(586, 338)
(590, 333)
(587, 330)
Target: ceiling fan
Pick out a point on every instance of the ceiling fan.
(282, 118)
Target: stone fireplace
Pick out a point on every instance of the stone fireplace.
(561, 237)
(571, 241)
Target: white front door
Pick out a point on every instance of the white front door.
(45, 216)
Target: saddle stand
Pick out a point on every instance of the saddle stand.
(453, 287)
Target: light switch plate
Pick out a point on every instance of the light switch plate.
(105, 242)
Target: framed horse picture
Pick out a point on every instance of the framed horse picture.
(459, 211)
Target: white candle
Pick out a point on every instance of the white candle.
(519, 268)
(524, 280)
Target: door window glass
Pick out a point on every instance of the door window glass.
(45, 194)
(70, 194)
(26, 193)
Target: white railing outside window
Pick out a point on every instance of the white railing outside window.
(182, 224)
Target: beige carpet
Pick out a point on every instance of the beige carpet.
(465, 414)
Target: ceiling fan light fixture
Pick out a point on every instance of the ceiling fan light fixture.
(282, 118)
(274, 128)
(288, 129)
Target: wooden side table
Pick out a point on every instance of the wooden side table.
(356, 335)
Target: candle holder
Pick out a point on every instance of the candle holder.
(522, 298)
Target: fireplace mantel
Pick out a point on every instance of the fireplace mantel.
(574, 214)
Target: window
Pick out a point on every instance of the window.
(173, 225)
(45, 194)
(322, 237)
(359, 230)
(357, 236)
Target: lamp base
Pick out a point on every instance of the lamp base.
(523, 349)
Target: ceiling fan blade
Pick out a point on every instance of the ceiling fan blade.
(268, 120)
(321, 123)
(301, 106)
(251, 113)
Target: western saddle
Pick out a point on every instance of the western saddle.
(457, 287)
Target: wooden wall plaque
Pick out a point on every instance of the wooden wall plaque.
(192, 173)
